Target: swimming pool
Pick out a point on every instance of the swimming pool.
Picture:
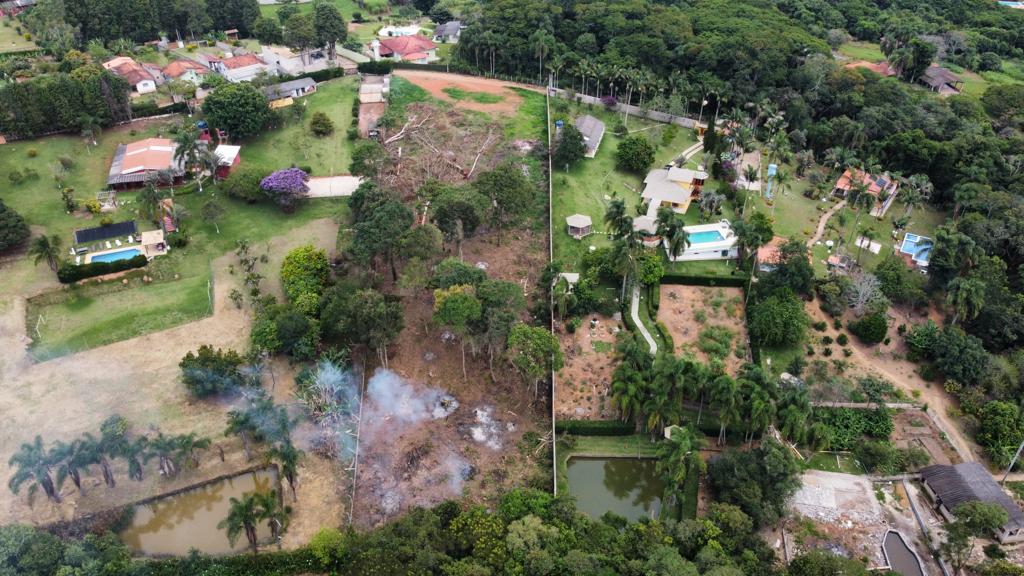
(705, 236)
(116, 255)
(918, 247)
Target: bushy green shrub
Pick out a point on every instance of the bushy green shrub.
(304, 274)
(594, 427)
(850, 425)
(321, 124)
(871, 329)
(208, 371)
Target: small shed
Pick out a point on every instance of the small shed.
(228, 157)
(231, 34)
(592, 130)
(579, 225)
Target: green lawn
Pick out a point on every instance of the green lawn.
(92, 315)
(10, 40)
(862, 51)
(832, 462)
(293, 143)
(1017, 488)
(639, 445)
(347, 7)
(923, 221)
(589, 186)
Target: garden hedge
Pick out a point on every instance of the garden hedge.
(269, 563)
(594, 428)
(69, 273)
(149, 108)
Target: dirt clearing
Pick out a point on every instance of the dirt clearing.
(707, 322)
(471, 93)
(583, 384)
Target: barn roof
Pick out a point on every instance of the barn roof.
(970, 482)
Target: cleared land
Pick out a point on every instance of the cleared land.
(862, 51)
(582, 385)
(706, 322)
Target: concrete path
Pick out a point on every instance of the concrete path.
(333, 186)
(634, 313)
(823, 221)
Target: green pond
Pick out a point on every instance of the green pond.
(175, 524)
(629, 487)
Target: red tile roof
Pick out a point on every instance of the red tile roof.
(415, 56)
(875, 184)
(128, 69)
(242, 61)
(405, 45)
(179, 67)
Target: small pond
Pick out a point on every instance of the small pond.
(175, 524)
(902, 559)
(629, 487)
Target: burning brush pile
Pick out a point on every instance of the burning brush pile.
(415, 446)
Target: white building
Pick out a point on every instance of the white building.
(714, 241)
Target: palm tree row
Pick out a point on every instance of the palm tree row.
(246, 513)
(48, 469)
(263, 422)
(653, 392)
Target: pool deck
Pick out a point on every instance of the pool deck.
(149, 250)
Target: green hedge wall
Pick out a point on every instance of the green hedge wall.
(149, 108)
(68, 273)
(738, 280)
(299, 561)
(594, 428)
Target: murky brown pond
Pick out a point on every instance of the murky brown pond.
(902, 559)
(176, 524)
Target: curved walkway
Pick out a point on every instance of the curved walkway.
(634, 308)
(823, 221)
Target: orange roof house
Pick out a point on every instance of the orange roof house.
(405, 48)
(769, 255)
(883, 187)
(134, 162)
(140, 79)
(179, 68)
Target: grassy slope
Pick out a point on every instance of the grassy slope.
(11, 41)
(862, 51)
(92, 316)
(346, 7)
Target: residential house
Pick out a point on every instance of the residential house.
(646, 228)
(134, 163)
(416, 49)
(883, 187)
(291, 89)
(11, 8)
(951, 486)
(592, 130)
(139, 78)
(769, 256)
(941, 80)
(449, 32)
(241, 68)
(674, 186)
(186, 70)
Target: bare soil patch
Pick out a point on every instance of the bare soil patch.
(583, 385)
(478, 449)
(687, 310)
(436, 82)
(138, 378)
(915, 428)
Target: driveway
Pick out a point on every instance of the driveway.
(333, 186)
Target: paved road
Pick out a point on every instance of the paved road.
(634, 308)
(333, 186)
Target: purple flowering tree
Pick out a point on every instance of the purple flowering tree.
(609, 101)
(286, 187)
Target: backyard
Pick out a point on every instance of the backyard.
(96, 314)
(867, 51)
(10, 40)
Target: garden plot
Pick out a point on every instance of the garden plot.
(707, 322)
(915, 428)
(583, 384)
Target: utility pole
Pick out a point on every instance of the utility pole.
(1012, 462)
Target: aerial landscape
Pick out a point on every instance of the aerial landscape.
(511, 287)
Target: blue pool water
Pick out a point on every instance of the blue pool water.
(1013, 4)
(115, 256)
(918, 247)
(705, 237)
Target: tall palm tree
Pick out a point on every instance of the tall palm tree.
(617, 217)
(72, 459)
(563, 297)
(750, 173)
(726, 399)
(661, 407)
(762, 413)
(541, 41)
(966, 295)
(34, 465)
(916, 190)
(676, 455)
(867, 234)
(189, 444)
(134, 452)
(207, 163)
(628, 391)
(168, 452)
(241, 424)
(271, 510)
(625, 257)
(783, 181)
(710, 202)
(187, 146)
(243, 516)
(46, 248)
(671, 228)
(287, 457)
(149, 201)
(862, 200)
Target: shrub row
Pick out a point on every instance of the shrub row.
(594, 428)
(267, 563)
(149, 108)
(69, 273)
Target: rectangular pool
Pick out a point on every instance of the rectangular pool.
(705, 236)
(116, 255)
(629, 487)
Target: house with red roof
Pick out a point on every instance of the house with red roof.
(883, 187)
(416, 48)
(139, 78)
(186, 70)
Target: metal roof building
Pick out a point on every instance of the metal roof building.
(951, 486)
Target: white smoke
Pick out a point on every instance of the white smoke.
(393, 400)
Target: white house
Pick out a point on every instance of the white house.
(714, 241)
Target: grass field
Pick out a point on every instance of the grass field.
(976, 83)
(832, 462)
(92, 315)
(639, 445)
(481, 97)
(10, 40)
(346, 7)
(590, 186)
(862, 51)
